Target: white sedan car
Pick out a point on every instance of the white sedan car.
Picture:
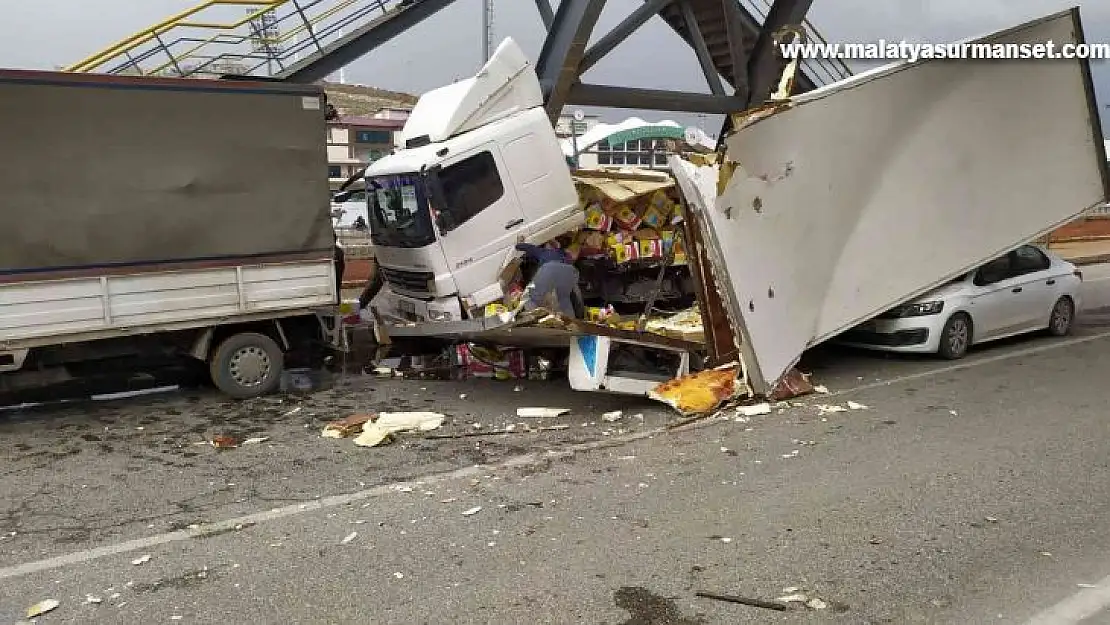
(1026, 290)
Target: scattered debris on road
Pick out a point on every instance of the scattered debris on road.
(852, 405)
(348, 538)
(141, 560)
(754, 410)
(224, 442)
(42, 607)
(612, 417)
(794, 384)
(795, 597)
(254, 440)
(347, 426)
(702, 392)
(541, 413)
(388, 424)
(472, 511)
(757, 603)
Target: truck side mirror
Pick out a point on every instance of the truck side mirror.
(445, 221)
(433, 188)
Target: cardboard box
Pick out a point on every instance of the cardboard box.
(597, 314)
(678, 214)
(625, 252)
(654, 217)
(627, 218)
(593, 243)
(477, 362)
(649, 248)
(596, 219)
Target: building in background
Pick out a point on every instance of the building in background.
(355, 141)
(567, 123)
(634, 143)
(367, 128)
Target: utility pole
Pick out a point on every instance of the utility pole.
(487, 30)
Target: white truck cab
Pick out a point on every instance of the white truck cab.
(481, 166)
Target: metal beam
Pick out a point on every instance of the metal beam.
(546, 14)
(361, 41)
(701, 49)
(735, 29)
(620, 32)
(632, 98)
(561, 55)
(766, 64)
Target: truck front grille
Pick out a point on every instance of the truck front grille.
(411, 281)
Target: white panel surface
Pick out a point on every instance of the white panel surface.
(144, 301)
(869, 192)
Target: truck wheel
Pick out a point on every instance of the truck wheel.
(246, 365)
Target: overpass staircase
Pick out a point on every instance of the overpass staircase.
(308, 40)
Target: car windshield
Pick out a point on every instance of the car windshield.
(399, 211)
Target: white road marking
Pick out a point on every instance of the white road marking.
(1029, 351)
(229, 525)
(79, 557)
(1081, 605)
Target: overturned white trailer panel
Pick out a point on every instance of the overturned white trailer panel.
(866, 193)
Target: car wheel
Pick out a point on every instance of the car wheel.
(1062, 318)
(955, 338)
(247, 365)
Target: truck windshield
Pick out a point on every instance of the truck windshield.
(399, 211)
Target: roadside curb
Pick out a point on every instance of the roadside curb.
(1096, 259)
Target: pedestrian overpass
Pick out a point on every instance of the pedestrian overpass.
(304, 41)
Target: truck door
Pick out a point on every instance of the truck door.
(485, 217)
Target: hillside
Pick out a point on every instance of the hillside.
(362, 100)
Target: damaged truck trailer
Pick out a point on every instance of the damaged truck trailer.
(178, 219)
(824, 209)
(831, 207)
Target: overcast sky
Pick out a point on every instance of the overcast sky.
(46, 34)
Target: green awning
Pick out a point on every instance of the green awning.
(661, 131)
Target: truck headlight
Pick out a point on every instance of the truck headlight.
(920, 310)
(439, 315)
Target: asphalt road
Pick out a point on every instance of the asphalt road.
(966, 493)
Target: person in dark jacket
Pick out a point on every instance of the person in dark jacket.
(556, 276)
(373, 286)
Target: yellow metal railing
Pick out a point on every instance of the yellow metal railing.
(820, 71)
(266, 35)
(210, 38)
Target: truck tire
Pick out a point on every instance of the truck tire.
(246, 365)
